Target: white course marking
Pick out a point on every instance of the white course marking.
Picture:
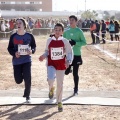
(71, 100)
(106, 52)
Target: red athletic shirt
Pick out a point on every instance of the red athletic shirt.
(107, 22)
(59, 64)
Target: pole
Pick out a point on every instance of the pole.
(77, 7)
(85, 5)
(117, 51)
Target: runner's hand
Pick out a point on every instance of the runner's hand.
(67, 64)
(41, 58)
(29, 52)
(17, 54)
(72, 42)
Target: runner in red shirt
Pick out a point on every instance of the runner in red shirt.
(59, 56)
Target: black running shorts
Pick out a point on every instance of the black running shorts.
(77, 60)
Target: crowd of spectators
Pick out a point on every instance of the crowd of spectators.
(100, 28)
(6, 24)
(95, 26)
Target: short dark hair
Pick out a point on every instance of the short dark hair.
(96, 21)
(24, 22)
(103, 21)
(74, 17)
(111, 22)
(116, 22)
(59, 25)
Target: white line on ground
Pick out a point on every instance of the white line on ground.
(106, 52)
(71, 100)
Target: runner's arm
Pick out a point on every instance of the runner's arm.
(68, 51)
(33, 45)
(82, 40)
(11, 48)
(46, 53)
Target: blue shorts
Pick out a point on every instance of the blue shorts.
(51, 73)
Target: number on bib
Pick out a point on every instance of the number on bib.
(23, 49)
(57, 53)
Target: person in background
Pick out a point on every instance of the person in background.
(7, 25)
(30, 22)
(117, 27)
(111, 28)
(11, 22)
(97, 31)
(79, 24)
(92, 31)
(103, 31)
(3, 29)
(107, 24)
(36, 24)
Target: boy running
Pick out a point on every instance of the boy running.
(77, 40)
(59, 56)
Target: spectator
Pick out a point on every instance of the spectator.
(49, 23)
(111, 28)
(92, 30)
(103, 30)
(12, 25)
(107, 24)
(79, 24)
(116, 30)
(7, 25)
(30, 23)
(97, 31)
(53, 24)
(3, 27)
(37, 24)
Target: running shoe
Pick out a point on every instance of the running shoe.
(60, 108)
(51, 93)
(27, 99)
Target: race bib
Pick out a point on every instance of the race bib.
(23, 49)
(57, 53)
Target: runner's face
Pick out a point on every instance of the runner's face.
(72, 22)
(20, 25)
(58, 31)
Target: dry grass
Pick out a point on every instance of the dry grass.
(93, 73)
(98, 73)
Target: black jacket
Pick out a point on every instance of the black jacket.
(103, 28)
(117, 28)
(97, 27)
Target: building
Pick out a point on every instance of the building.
(28, 5)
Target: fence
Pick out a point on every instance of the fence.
(34, 31)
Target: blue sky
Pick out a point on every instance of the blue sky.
(75, 5)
